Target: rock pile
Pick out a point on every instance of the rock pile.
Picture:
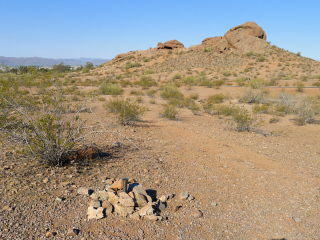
(136, 202)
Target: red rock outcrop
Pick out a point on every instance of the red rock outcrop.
(170, 45)
(248, 28)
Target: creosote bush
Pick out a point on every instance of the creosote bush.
(110, 89)
(169, 111)
(127, 110)
(44, 123)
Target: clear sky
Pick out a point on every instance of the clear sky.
(105, 28)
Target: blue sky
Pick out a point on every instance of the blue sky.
(105, 28)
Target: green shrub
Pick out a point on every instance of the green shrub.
(243, 120)
(169, 111)
(260, 108)
(240, 81)
(226, 73)
(146, 82)
(177, 76)
(261, 58)
(85, 70)
(300, 86)
(110, 89)
(169, 91)
(253, 96)
(146, 60)
(132, 65)
(257, 83)
(126, 110)
(274, 119)
(149, 71)
(316, 84)
(46, 126)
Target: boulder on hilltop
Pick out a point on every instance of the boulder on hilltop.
(218, 44)
(170, 45)
(211, 40)
(248, 28)
(247, 37)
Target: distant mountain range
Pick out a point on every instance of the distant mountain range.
(48, 62)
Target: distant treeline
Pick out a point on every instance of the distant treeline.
(59, 68)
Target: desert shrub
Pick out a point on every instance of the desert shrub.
(226, 73)
(85, 70)
(274, 119)
(127, 110)
(125, 83)
(304, 78)
(261, 58)
(136, 92)
(169, 111)
(253, 96)
(316, 76)
(146, 60)
(216, 98)
(300, 87)
(316, 84)
(45, 125)
(110, 89)
(169, 91)
(177, 76)
(151, 92)
(249, 54)
(132, 65)
(257, 83)
(189, 81)
(241, 81)
(260, 108)
(130, 57)
(216, 109)
(243, 121)
(194, 96)
(149, 71)
(146, 82)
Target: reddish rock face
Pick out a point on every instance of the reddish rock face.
(247, 37)
(211, 40)
(170, 45)
(248, 28)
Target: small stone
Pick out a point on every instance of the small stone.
(151, 217)
(60, 199)
(160, 218)
(175, 208)
(73, 232)
(184, 196)
(65, 184)
(125, 200)
(114, 200)
(163, 198)
(95, 204)
(100, 213)
(146, 210)
(100, 195)
(190, 198)
(50, 234)
(141, 200)
(84, 191)
(296, 219)
(122, 210)
(45, 180)
(135, 216)
(116, 144)
(138, 189)
(109, 182)
(131, 180)
(108, 207)
(95, 213)
(161, 205)
(69, 176)
(117, 185)
(214, 204)
(196, 213)
(7, 208)
(131, 194)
